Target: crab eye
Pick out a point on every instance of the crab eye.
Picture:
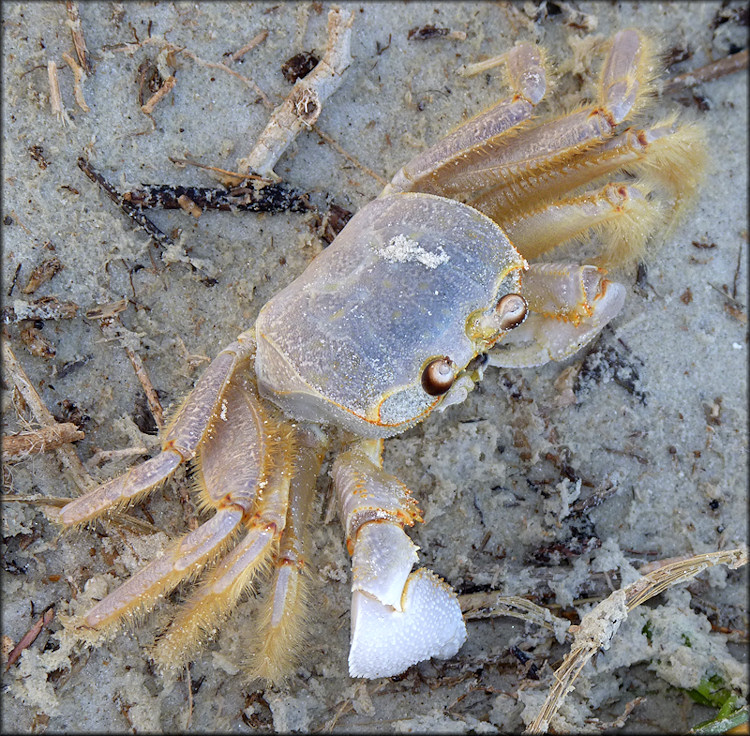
(437, 377)
(511, 310)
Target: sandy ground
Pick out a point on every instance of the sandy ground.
(660, 417)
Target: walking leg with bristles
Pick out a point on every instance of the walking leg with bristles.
(247, 455)
(467, 145)
(181, 441)
(278, 637)
(143, 590)
(232, 468)
(270, 543)
(663, 155)
(502, 165)
(621, 214)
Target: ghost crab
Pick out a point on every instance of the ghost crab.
(425, 287)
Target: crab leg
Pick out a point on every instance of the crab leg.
(219, 593)
(152, 582)
(181, 442)
(555, 143)
(568, 306)
(232, 468)
(290, 483)
(247, 456)
(204, 611)
(279, 635)
(673, 157)
(620, 212)
(428, 171)
(399, 617)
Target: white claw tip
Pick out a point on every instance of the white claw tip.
(385, 642)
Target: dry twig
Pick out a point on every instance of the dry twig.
(75, 26)
(486, 605)
(250, 45)
(131, 48)
(243, 196)
(55, 100)
(305, 102)
(189, 682)
(327, 138)
(109, 322)
(159, 95)
(430, 31)
(151, 395)
(19, 222)
(23, 444)
(471, 70)
(36, 343)
(619, 722)
(14, 280)
(65, 453)
(28, 638)
(228, 178)
(599, 626)
(42, 274)
(133, 212)
(217, 65)
(716, 69)
(78, 77)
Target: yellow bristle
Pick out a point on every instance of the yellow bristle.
(201, 615)
(279, 647)
(134, 610)
(626, 235)
(677, 162)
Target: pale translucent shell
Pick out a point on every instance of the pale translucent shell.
(348, 340)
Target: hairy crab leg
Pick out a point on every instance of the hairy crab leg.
(279, 636)
(201, 615)
(554, 143)
(399, 617)
(142, 591)
(670, 156)
(250, 455)
(280, 513)
(181, 442)
(620, 213)
(456, 151)
(234, 464)
(568, 305)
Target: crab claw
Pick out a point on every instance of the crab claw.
(385, 641)
(399, 617)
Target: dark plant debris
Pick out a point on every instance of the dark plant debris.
(299, 66)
